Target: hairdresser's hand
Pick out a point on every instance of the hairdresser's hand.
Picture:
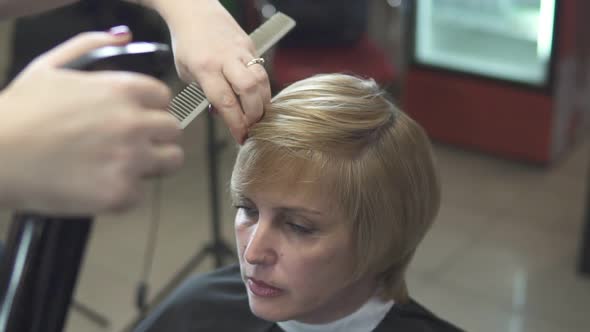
(75, 142)
(212, 49)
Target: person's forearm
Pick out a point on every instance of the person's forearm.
(169, 8)
(15, 8)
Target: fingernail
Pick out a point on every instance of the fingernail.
(120, 30)
(212, 110)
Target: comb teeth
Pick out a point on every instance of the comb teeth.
(191, 101)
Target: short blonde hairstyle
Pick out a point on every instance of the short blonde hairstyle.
(342, 134)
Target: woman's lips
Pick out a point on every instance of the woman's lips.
(262, 289)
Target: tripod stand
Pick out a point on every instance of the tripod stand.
(217, 248)
(584, 260)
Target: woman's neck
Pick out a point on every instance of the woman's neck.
(346, 302)
(366, 318)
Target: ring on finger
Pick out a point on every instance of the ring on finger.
(255, 61)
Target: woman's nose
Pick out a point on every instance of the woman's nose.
(259, 248)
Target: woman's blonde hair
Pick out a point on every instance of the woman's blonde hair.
(342, 134)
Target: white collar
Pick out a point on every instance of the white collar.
(365, 319)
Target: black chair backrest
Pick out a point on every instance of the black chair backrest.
(324, 22)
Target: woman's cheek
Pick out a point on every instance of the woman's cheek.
(242, 231)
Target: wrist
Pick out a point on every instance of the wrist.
(171, 9)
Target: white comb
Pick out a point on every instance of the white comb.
(191, 101)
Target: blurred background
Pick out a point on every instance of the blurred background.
(501, 86)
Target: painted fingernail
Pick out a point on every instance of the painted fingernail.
(120, 30)
(212, 109)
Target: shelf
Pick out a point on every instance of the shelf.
(533, 74)
(517, 24)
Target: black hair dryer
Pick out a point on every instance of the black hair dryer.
(43, 254)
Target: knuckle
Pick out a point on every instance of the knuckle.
(261, 76)
(163, 92)
(175, 130)
(123, 187)
(122, 197)
(166, 92)
(151, 84)
(177, 158)
(172, 127)
(183, 72)
(185, 76)
(123, 85)
(172, 162)
(245, 42)
(117, 193)
(129, 126)
(247, 84)
(204, 64)
(227, 100)
(132, 84)
(168, 123)
(122, 157)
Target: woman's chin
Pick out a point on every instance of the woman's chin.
(269, 312)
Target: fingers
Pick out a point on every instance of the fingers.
(163, 154)
(250, 83)
(139, 89)
(263, 90)
(152, 150)
(82, 44)
(161, 127)
(159, 160)
(221, 95)
(239, 94)
(264, 82)
(166, 159)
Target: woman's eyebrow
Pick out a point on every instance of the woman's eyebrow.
(239, 198)
(243, 199)
(299, 210)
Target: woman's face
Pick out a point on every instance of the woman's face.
(296, 255)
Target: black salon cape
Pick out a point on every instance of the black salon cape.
(217, 302)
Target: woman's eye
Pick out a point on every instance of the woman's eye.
(299, 229)
(249, 212)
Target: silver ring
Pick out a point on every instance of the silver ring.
(255, 61)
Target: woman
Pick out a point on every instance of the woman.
(334, 190)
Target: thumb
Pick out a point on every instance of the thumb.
(82, 44)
